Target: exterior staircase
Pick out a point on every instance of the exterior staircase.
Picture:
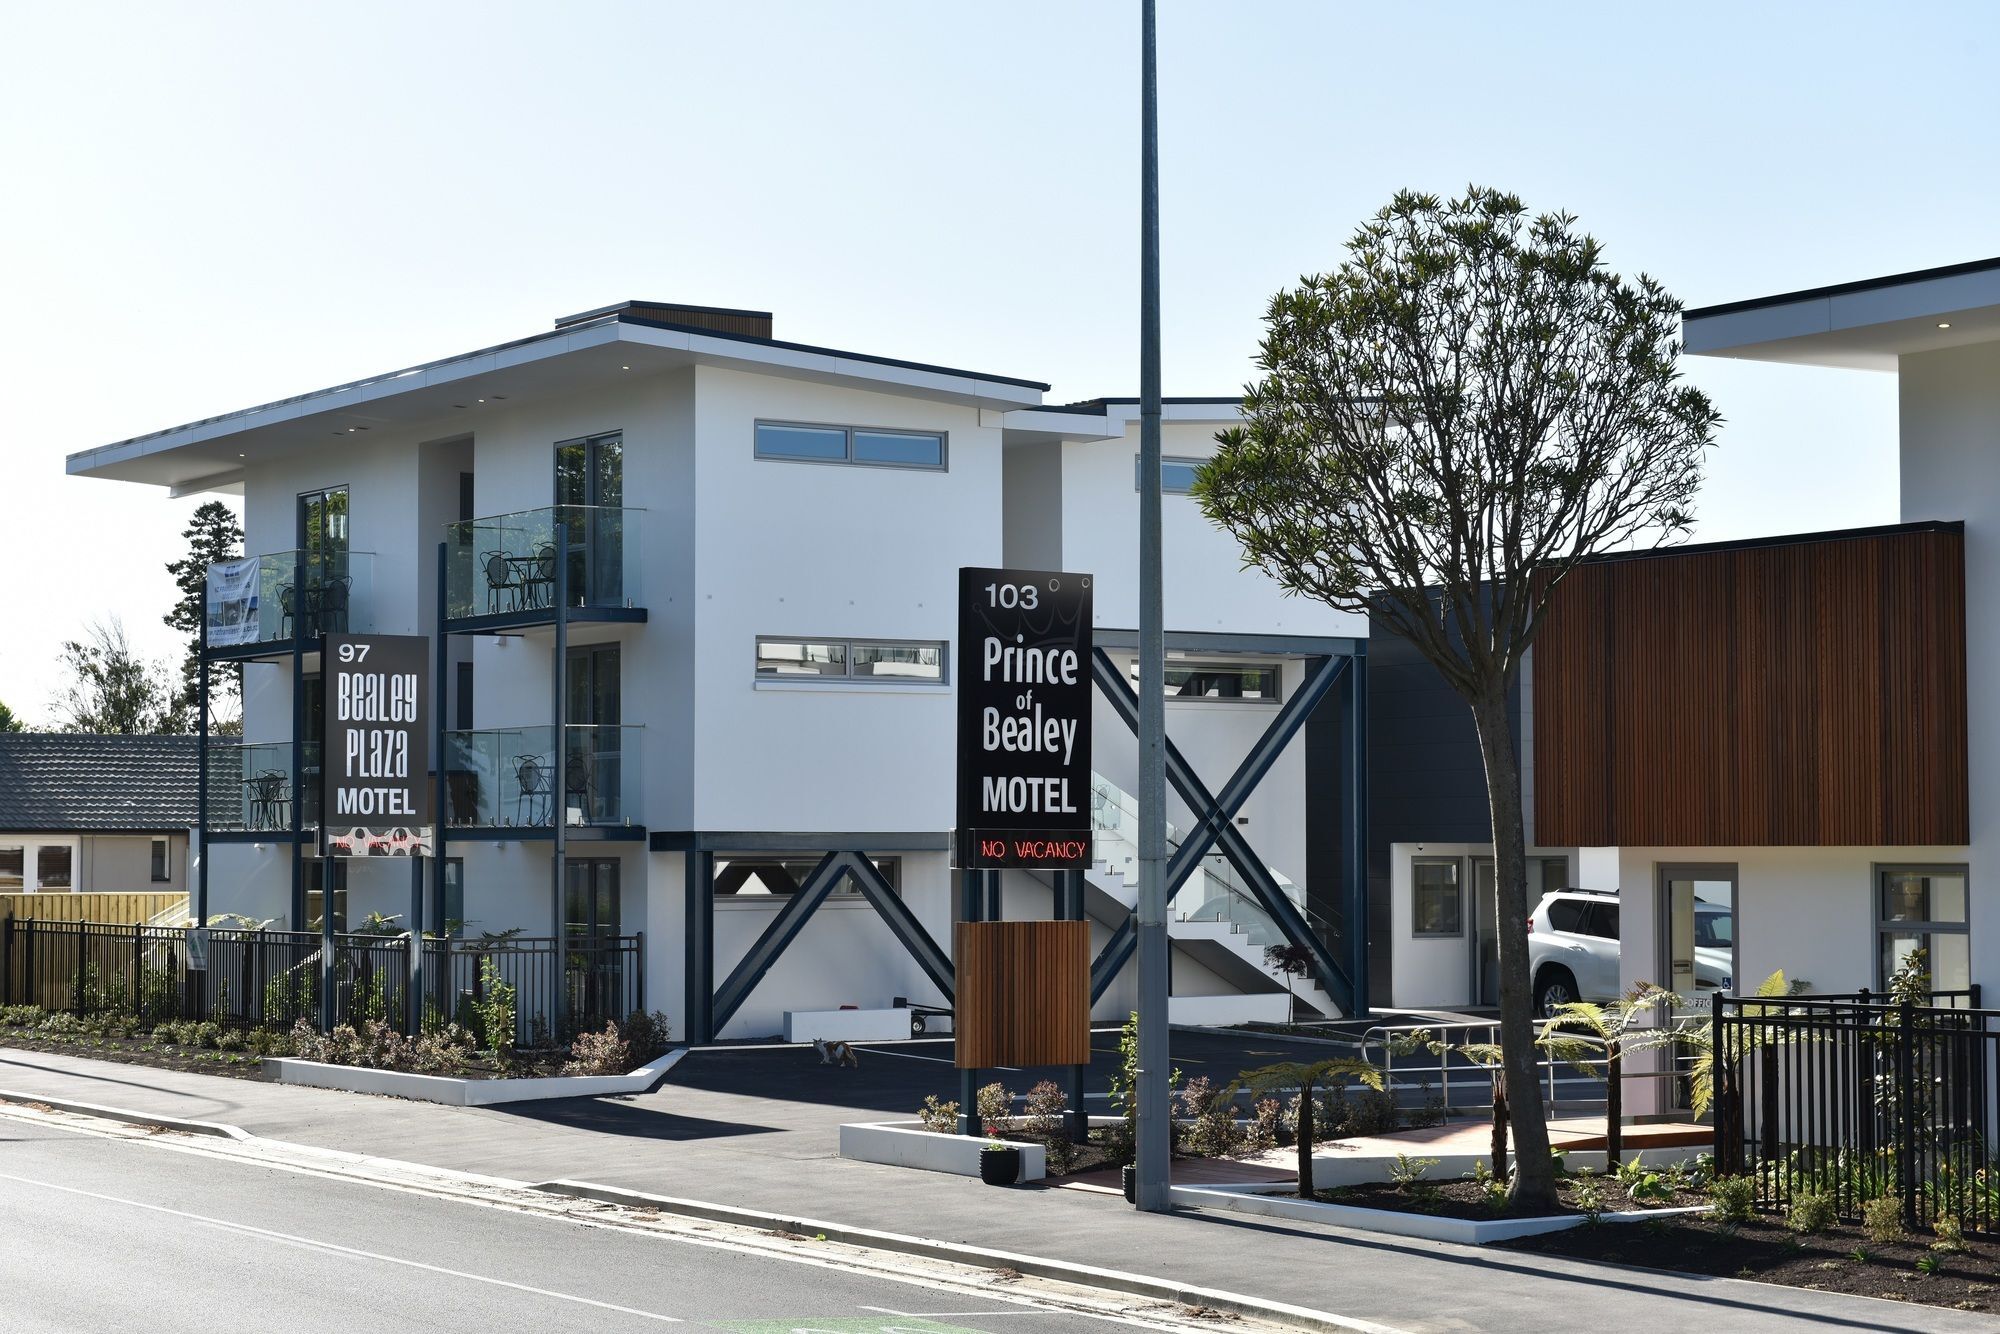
(1213, 919)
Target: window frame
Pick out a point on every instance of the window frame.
(1884, 927)
(160, 866)
(849, 460)
(1166, 461)
(1458, 882)
(846, 676)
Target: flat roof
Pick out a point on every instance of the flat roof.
(1867, 324)
(205, 454)
(1781, 540)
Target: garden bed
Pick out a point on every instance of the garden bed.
(1840, 1259)
(140, 1049)
(1580, 1196)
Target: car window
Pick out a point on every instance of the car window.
(1714, 930)
(1566, 915)
(1602, 921)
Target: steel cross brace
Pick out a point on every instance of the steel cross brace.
(1216, 823)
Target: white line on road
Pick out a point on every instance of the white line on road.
(939, 1315)
(312, 1243)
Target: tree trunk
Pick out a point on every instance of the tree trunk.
(1534, 1181)
(1614, 1106)
(1305, 1138)
(1499, 1128)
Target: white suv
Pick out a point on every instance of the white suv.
(1573, 947)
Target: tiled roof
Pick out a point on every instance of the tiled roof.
(58, 782)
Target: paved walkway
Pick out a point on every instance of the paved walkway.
(695, 1142)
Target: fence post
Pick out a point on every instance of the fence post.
(138, 968)
(1906, 1121)
(639, 964)
(34, 992)
(79, 967)
(7, 960)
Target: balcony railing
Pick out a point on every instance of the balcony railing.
(250, 787)
(505, 566)
(269, 599)
(529, 777)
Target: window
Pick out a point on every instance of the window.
(1924, 908)
(1601, 920)
(464, 697)
(768, 878)
(1436, 903)
(52, 866)
(1259, 682)
(1176, 475)
(1566, 915)
(315, 896)
(590, 489)
(13, 868)
(161, 870)
(884, 661)
(867, 445)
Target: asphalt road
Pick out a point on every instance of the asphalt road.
(109, 1234)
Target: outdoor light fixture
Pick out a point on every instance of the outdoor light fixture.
(1944, 324)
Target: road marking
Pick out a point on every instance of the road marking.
(311, 1243)
(956, 1315)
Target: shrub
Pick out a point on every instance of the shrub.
(995, 1106)
(940, 1118)
(1265, 1119)
(1812, 1213)
(604, 1053)
(1588, 1196)
(1045, 1105)
(1950, 1234)
(494, 1013)
(443, 1048)
(1732, 1199)
(1210, 1131)
(647, 1033)
(1370, 1112)
(21, 1016)
(1882, 1219)
(1407, 1171)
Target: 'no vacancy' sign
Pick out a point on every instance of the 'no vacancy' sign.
(1023, 719)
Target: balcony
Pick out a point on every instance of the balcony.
(501, 572)
(251, 795)
(516, 782)
(260, 606)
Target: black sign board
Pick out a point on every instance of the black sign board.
(1024, 697)
(375, 761)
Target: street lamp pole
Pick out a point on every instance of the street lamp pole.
(1154, 1146)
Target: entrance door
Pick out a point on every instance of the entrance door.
(1485, 935)
(590, 896)
(592, 970)
(1697, 940)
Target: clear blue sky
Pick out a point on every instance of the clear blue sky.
(211, 205)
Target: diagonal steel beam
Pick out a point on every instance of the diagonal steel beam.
(1216, 816)
(1117, 952)
(875, 887)
(782, 931)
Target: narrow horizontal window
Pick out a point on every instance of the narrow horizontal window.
(1257, 681)
(1176, 475)
(877, 661)
(753, 877)
(869, 446)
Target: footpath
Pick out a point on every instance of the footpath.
(778, 1157)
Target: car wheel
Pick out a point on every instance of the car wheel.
(1555, 988)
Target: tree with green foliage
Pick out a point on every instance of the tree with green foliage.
(9, 722)
(1307, 1077)
(1444, 426)
(212, 534)
(111, 689)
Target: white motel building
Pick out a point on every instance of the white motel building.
(690, 591)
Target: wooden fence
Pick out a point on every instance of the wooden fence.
(122, 909)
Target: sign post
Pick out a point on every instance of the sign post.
(1024, 705)
(375, 767)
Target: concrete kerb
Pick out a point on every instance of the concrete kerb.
(1137, 1285)
(215, 1129)
(451, 1091)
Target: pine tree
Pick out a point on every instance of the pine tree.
(212, 534)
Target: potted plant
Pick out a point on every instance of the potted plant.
(999, 1164)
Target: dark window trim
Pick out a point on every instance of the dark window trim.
(943, 438)
(162, 870)
(1458, 878)
(1886, 927)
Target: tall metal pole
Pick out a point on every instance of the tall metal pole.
(199, 843)
(1155, 1129)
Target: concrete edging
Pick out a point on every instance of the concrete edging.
(908, 1144)
(1091, 1276)
(213, 1128)
(1425, 1227)
(454, 1092)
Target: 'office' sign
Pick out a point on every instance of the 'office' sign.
(376, 757)
(1023, 719)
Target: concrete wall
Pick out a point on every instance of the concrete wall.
(1950, 427)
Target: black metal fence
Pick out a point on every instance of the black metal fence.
(1859, 1097)
(272, 979)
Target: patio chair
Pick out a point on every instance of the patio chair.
(330, 614)
(270, 802)
(541, 578)
(461, 792)
(501, 585)
(288, 603)
(534, 789)
(580, 782)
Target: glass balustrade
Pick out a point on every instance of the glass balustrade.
(250, 787)
(267, 599)
(528, 777)
(506, 565)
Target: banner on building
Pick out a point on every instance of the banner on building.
(232, 602)
(1024, 698)
(375, 762)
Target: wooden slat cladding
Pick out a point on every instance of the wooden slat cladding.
(1789, 694)
(1022, 993)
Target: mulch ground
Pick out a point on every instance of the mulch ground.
(144, 1051)
(1465, 1199)
(1841, 1259)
